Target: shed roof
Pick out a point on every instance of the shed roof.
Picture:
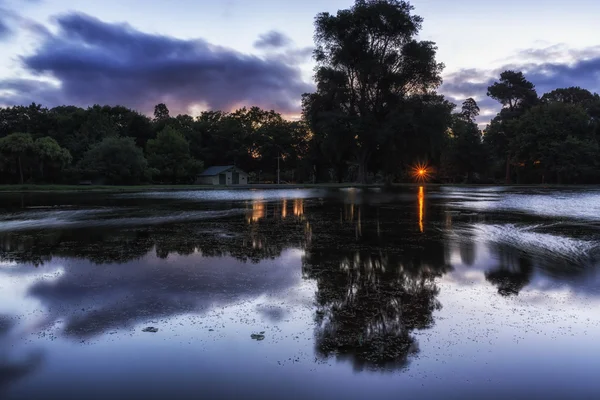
(216, 170)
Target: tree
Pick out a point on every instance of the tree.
(50, 156)
(169, 154)
(513, 91)
(556, 140)
(463, 153)
(16, 149)
(368, 63)
(517, 95)
(96, 125)
(470, 109)
(161, 112)
(115, 160)
(423, 120)
(33, 119)
(571, 95)
(333, 132)
(139, 127)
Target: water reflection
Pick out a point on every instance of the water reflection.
(514, 273)
(377, 279)
(372, 294)
(91, 301)
(368, 305)
(258, 210)
(298, 207)
(13, 364)
(421, 203)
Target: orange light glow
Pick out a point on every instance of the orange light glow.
(421, 204)
(254, 153)
(258, 211)
(421, 173)
(284, 209)
(299, 207)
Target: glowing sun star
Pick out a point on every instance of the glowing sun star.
(421, 172)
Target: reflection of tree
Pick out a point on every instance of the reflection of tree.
(263, 240)
(97, 245)
(368, 303)
(466, 248)
(513, 274)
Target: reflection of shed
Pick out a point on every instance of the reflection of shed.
(223, 175)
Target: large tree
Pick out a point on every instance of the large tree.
(15, 150)
(517, 95)
(169, 154)
(115, 161)
(463, 154)
(555, 141)
(368, 63)
(51, 159)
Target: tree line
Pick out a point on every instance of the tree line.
(117, 145)
(374, 116)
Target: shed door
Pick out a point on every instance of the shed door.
(222, 179)
(235, 177)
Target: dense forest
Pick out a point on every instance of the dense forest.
(374, 116)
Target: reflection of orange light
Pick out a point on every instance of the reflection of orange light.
(258, 211)
(299, 207)
(421, 202)
(421, 172)
(284, 209)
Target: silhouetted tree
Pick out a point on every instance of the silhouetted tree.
(161, 112)
(464, 152)
(115, 161)
(369, 65)
(470, 109)
(169, 154)
(517, 95)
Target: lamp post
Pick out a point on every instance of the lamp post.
(278, 157)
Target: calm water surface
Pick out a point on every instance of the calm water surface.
(421, 293)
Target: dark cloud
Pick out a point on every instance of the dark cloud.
(26, 91)
(272, 40)
(544, 67)
(98, 62)
(5, 17)
(296, 56)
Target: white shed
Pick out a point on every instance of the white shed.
(223, 175)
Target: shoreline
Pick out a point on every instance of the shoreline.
(34, 188)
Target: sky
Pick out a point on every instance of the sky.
(196, 55)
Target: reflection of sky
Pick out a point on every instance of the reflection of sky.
(580, 204)
(91, 300)
(577, 276)
(482, 344)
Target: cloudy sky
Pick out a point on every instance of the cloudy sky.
(209, 54)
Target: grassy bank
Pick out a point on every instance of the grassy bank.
(147, 188)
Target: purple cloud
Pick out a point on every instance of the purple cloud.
(102, 63)
(272, 39)
(548, 68)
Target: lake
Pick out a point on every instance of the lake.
(416, 293)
